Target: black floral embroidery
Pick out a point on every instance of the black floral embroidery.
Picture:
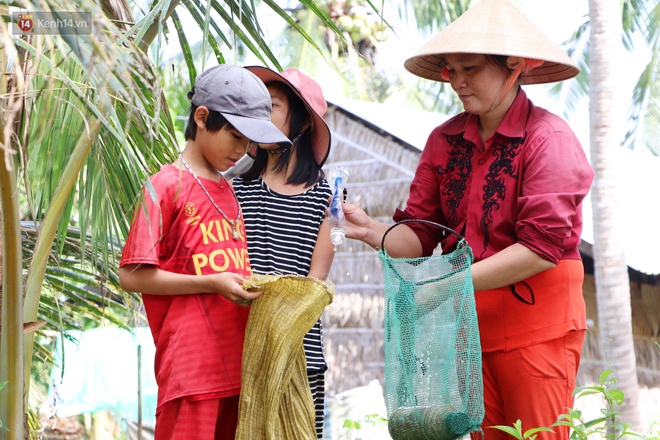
(495, 188)
(458, 168)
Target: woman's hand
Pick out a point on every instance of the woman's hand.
(401, 241)
(356, 222)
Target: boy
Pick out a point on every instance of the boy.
(186, 254)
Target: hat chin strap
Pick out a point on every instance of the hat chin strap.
(518, 66)
(294, 141)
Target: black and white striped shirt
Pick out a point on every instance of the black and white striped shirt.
(281, 234)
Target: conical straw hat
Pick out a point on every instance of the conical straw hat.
(494, 27)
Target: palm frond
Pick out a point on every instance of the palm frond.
(644, 113)
(250, 36)
(78, 294)
(639, 18)
(431, 16)
(185, 47)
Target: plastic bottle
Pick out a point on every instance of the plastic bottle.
(337, 178)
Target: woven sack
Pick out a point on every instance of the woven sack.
(276, 402)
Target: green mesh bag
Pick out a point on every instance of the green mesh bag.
(433, 379)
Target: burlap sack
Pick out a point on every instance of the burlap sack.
(276, 402)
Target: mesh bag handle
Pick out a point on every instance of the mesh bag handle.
(445, 230)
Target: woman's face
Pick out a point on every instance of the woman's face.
(475, 80)
(279, 114)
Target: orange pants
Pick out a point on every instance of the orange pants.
(184, 419)
(533, 384)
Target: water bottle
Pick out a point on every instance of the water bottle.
(337, 178)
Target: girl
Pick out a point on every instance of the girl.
(284, 197)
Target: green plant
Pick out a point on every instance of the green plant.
(517, 432)
(2, 426)
(356, 425)
(608, 425)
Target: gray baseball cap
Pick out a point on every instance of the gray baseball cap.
(242, 98)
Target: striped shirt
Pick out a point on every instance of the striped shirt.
(281, 234)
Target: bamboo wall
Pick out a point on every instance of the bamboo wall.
(645, 305)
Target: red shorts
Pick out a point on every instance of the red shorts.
(533, 384)
(187, 419)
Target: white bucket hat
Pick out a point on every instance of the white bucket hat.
(494, 27)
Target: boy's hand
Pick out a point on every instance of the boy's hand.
(230, 285)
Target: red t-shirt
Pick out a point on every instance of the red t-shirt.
(526, 185)
(198, 338)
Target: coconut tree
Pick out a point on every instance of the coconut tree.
(640, 26)
(84, 122)
(78, 131)
(611, 275)
(596, 45)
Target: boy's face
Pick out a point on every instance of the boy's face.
(223, 148)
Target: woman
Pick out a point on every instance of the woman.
(510, 177)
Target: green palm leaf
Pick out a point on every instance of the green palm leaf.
(640, 18)
(92, 127)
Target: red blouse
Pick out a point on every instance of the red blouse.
(526, 185)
